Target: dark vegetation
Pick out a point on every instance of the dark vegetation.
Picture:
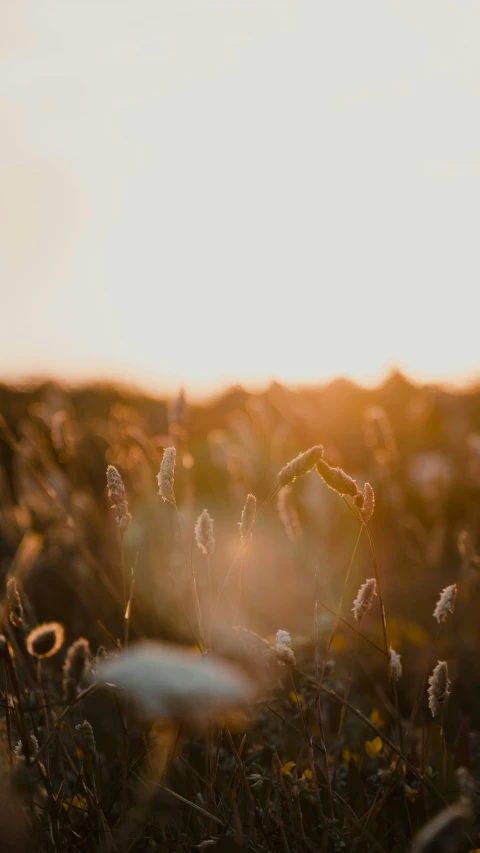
(334, 755)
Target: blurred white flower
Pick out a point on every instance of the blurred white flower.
(172, 683)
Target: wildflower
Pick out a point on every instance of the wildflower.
(446, 603)
(204, 533)
(166, 474)
(117, 495)
(395, 664)
(248, 517)
(74, 668)
(373, 747)
(446, 831)
(15, 608)
(337, 480)
(439, 689)
(174, 684)
(301, 465)
(283, 648)
(288, 513)
(45, 640)
(364, 599)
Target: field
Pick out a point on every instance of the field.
(267, 711)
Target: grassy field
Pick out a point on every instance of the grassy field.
(184, 667)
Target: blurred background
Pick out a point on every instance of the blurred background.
(273, 205)
(200, 192)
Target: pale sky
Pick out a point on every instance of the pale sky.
(205, 191)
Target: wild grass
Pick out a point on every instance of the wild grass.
(292, 668)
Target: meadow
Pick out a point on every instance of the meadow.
(244, 625)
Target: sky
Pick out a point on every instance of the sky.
(201, 192)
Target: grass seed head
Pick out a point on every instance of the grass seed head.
(87, 730)
(75, 666)
(364, 599)
(45, 640)
(439, 689)
(283, 648)
(15, 608)
(395, 664)
(288, 513)
(204, 533)
(118, 498)
(365, 501)
(248, 517)
(166, 475)
(446, 603)
(337, 480)
(301, 465)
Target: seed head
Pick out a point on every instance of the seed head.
(19, 753)
(439, 689)
(74, 668)
(301, 465)
(15, 608)
(446, 603)
(283, 648)
(166, 474)
(45, 640)
(117, 495)
(366, 502)
(87, 730)
(364, 599)
(395, 664)
(248, 517)
(337, 480)
(288, 513)
(204, 533)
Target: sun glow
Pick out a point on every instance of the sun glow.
(239, 191)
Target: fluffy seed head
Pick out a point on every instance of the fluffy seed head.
(204, 533)
(364, 599)
(74, 668)
(87, 730)
(170, 683)
(439, 689)
(166, 474)
(118, 498)
(19, 753)
(301, 465)
(395, 664)
(367, 502)
(283, 648)
(288, 513)
(247, 517)
(15, 609)
(446, 603)
(337, 480)
(45, 640)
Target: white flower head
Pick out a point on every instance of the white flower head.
(171, 683)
